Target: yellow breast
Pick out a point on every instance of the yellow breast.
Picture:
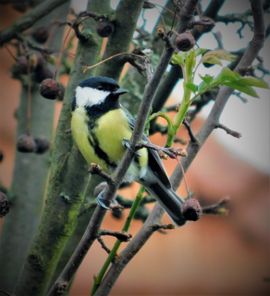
(109, 130)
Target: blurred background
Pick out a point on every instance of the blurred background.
(218, 255)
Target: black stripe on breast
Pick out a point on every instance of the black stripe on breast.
(98, 151)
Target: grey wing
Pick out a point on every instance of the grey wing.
(154, 161)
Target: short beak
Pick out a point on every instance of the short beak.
(120, 91)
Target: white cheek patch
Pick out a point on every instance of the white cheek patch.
(87, 96)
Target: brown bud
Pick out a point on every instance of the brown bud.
(34, 60)
(26, 143)
(192, 209)
(42, 145)
(105, 28)
(51, 89)
(185, 41)
(4, 204)
(40, 34)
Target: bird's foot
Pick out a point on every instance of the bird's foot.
(126, 144)
(101, 201)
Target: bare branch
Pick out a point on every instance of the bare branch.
(27, 20)
(145, 233)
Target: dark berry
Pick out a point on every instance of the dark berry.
(20, 67)
(105, 28)
(40, 34)
(42, 145)
(51, 89)
(4, 204)
(26, 143)
(184, 41)
(192, 209)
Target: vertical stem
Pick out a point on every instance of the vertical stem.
(117, 244)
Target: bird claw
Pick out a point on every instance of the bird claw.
(126, 144)
(102, 202)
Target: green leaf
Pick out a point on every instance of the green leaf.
(200, 51)
(178, 59)
(207, 78)
(241, 87)
(193, 87)
(253, 81)
(227, 75)
(216, 56)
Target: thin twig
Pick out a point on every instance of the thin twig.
(103, 245)
(228, 130)
(219, 208)
(122, 236)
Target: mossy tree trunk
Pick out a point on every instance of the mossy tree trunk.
(29, 176)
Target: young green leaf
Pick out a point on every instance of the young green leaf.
(217, 56)
(178, 59)
(253, 81)
(193, 87)
(243, 87)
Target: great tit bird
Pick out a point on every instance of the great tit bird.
(100, 127)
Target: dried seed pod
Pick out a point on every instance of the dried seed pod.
(192, 209)
(20, 67)
(105, 28)
(26, 143)
(42, 145)
(1, 156)
(40, 34)
(51, 89)
(184, 41)
(4, 204)
(42, 72)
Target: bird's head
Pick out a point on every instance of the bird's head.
(96, 91)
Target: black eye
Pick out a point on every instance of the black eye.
(99, 87)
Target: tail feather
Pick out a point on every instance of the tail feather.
(166, 196)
